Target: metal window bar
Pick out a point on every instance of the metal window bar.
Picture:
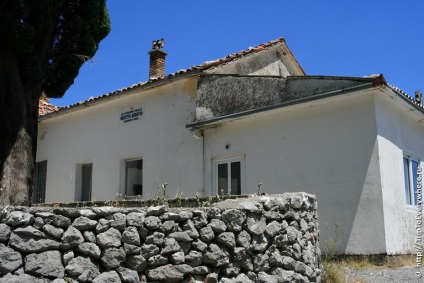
(39, 190)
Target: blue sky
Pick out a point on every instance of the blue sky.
(338, 38)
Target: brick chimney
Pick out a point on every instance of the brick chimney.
(157, 59)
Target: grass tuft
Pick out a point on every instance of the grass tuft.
(332, 273)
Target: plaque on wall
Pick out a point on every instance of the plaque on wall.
(132, 113)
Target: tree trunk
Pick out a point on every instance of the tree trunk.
(18, 131)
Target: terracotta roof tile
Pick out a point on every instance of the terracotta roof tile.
(204, 66)
(45, 107)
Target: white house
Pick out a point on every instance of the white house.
(251, 117)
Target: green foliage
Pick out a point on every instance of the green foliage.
(222, 194)
(218, 198)
(178, 199)
(52, 39)
(161, 200)
(163, 188)
(198, 202)
(332, 244)
(208, 202)
(259, 188)
(331, 271)
(68, 279)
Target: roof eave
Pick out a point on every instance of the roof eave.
(244, 114)
(408, 100)
(192, 71)
(115, 95)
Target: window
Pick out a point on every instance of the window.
(410, 171)
(134, 177)
(86, 177)
(228, 176)
(39, 189)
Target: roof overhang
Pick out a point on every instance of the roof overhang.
(401, 96)
(377, 83)
(117, 94)
(214, 122)
(181, 74)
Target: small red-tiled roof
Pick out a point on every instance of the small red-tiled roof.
(193, 69)
(45, 107)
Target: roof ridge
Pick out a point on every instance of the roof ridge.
(230, 57)
(201, 67)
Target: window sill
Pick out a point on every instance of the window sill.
(412, 207)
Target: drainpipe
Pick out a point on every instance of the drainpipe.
(199, 135)
(203, 163)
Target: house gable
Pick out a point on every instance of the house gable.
(272, 59)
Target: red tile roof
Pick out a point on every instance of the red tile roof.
(193, 69)
(45, 107)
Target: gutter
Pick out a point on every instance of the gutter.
(230, 117)
(112, 95)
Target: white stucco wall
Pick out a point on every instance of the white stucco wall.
(170, 154)
(399, 131)
(327, 148)
(275, 61)
(97, 135)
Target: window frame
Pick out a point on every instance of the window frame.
(39, 185)
(90, 192)
(228, 161)
(125, 183)
(410, 179)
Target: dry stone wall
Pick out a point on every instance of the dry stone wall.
(257, 239)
